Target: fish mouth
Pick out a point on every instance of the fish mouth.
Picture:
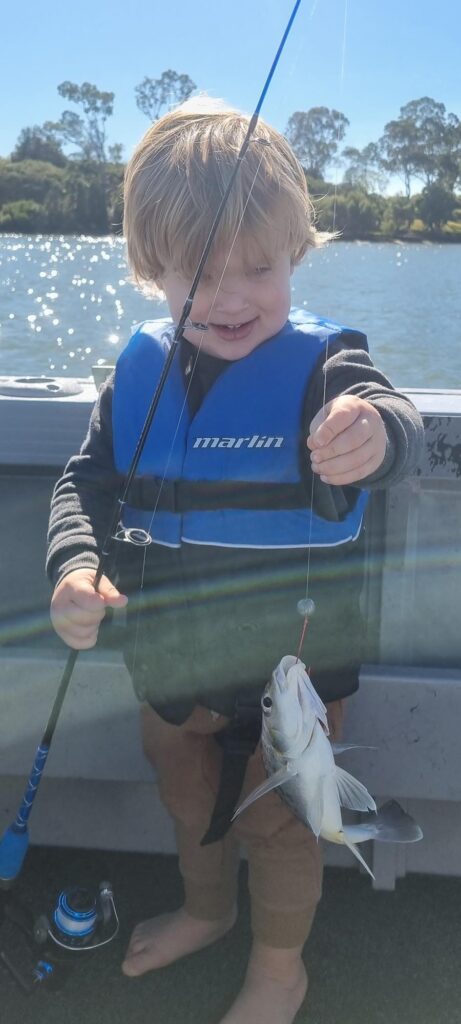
(280, 674)
(278, 684)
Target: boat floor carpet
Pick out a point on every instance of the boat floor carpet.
(372, 957)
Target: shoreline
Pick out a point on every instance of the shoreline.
(413, 238)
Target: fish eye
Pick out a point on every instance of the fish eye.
(266, 703)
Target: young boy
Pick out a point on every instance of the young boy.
(269, 433)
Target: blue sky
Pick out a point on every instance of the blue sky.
(394, 51)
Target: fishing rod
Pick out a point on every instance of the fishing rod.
(15, 840)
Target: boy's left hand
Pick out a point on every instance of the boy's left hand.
(347, 440)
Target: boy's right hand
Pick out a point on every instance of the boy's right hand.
(77, 609)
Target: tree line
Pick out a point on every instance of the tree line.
(64, 177)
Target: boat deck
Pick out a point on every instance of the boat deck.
(373, 957)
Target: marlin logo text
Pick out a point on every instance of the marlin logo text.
(257, 441)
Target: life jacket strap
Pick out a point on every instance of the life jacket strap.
(238, 741)
(180, 496)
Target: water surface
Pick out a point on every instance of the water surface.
(67, 304)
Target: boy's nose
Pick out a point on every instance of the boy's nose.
(231, 299)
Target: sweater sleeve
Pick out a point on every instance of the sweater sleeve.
(84, 496)
(353, 373)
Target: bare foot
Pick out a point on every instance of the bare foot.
(162, 940)
(274, 988)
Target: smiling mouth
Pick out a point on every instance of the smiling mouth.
(234, 332)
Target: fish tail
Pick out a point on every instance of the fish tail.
(351, 846)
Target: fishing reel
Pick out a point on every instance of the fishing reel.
(81, 921)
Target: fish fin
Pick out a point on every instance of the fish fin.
(314, 814)
(352, 793)
(390, 825)
(350, 846)
(339, 748)
(283, 775)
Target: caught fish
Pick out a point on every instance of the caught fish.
(299, 757)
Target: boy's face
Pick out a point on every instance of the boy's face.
(251, 305)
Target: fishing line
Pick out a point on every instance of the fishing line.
(300, 45)
(306, 607)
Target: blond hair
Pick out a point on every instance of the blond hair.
(176, 178)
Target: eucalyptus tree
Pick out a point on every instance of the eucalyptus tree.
(351, 211)
(399, 214)
(365, 169)
(38, 142)
(436, 206)
(424, 143)
(154, 95)
(87, 131)
(315, 135)
(32, 195)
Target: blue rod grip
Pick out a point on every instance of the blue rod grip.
(22, 818)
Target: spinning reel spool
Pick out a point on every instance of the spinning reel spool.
(80, 921)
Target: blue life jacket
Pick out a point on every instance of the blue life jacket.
(231, 475)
